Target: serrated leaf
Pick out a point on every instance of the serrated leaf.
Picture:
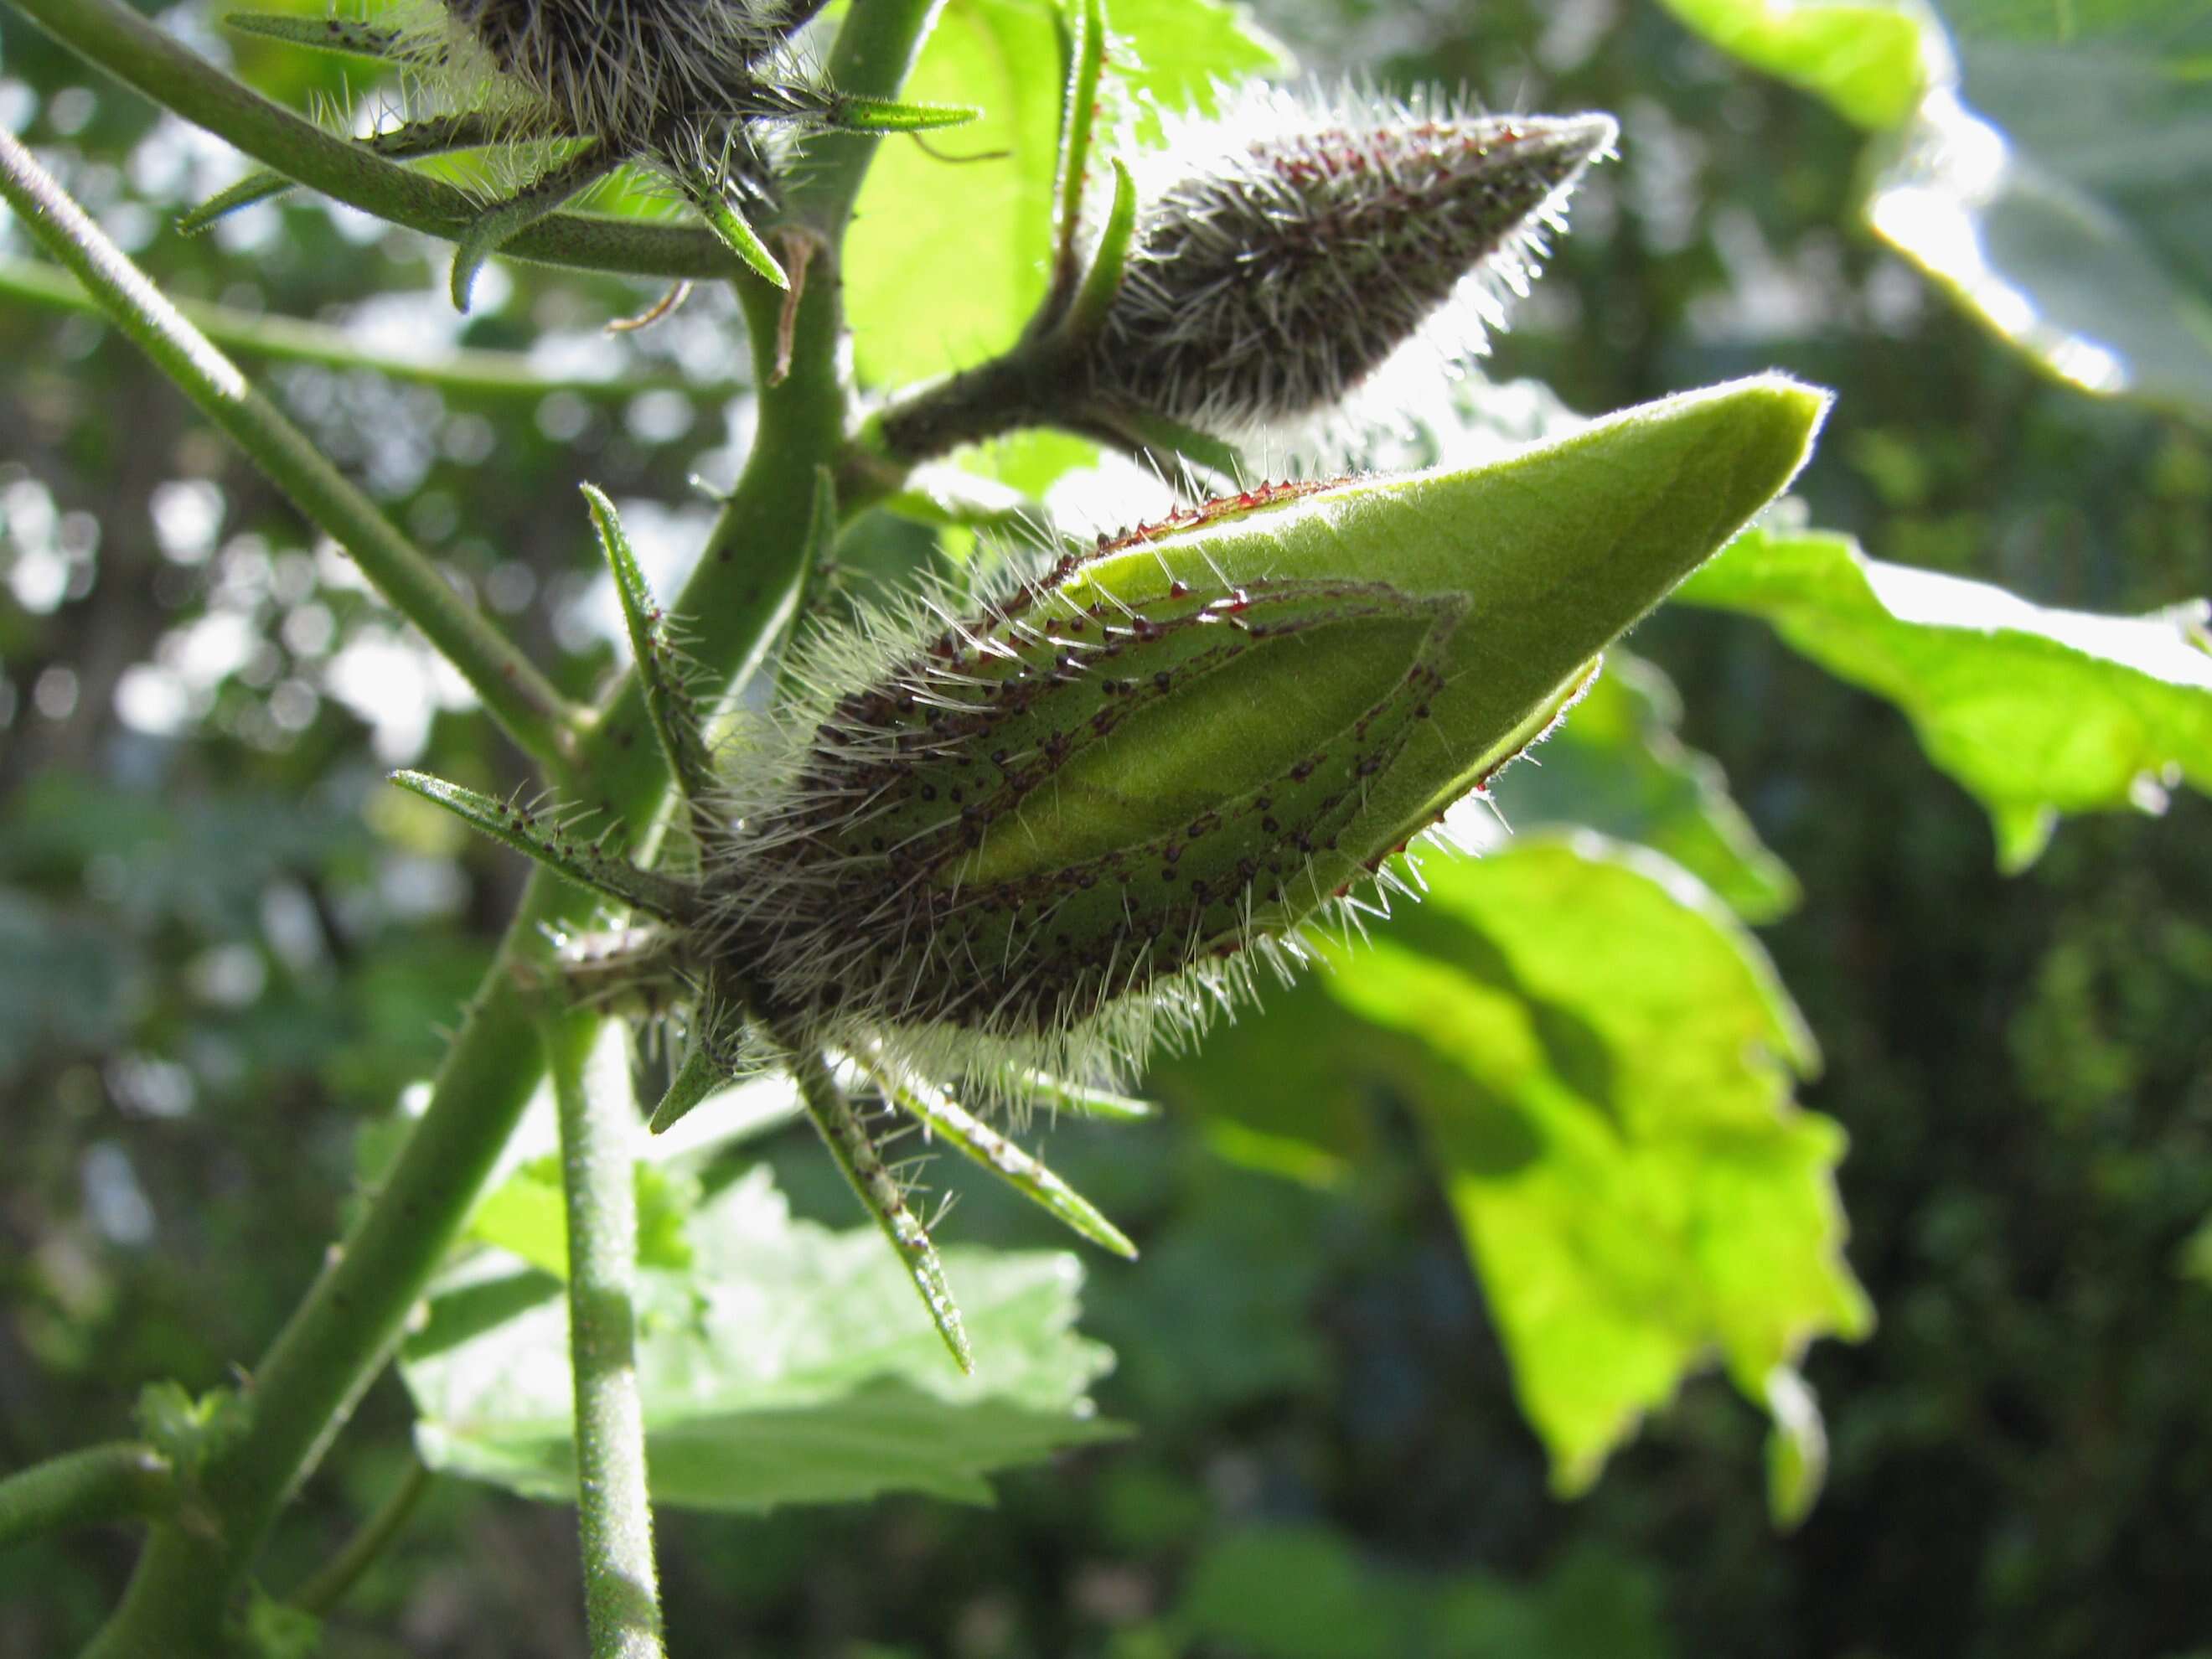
(1608, 1098)
(2036, 711)
(1616, 766)
(791, 1365)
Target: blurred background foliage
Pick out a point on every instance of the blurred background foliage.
(226, 950)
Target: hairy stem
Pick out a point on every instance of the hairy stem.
(116, 38)
(337, 1575)
(338, 1338)
(520, 698)
(621, 1593)
(113, 1482)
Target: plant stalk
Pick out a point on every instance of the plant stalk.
(520, 698)
(621, 1592)
(336, 1576)
(113, 1482)
(338, 1338)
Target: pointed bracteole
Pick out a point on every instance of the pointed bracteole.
(1144, 434)
(1086, 315)
(700, 1076)
(436, 135)
(502, 224)
(338, 34)
(1083, 44)
(1058, 1094)
(881, 1195)
(849, 111)
(821, 550)
(713, 204)
(1023, 1171)
(254, 187)
(668, 703)
(529, 832)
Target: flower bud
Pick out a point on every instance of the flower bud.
(1026, 835)
(630, 69)
(1310, 237)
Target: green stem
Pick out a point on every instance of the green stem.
(338, 1339)
(337, 1575)
(622, 1594)
(83, 1488)
(520, 698)
(117, 39)
(465, 371)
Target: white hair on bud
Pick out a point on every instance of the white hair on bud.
(1290, 247)
(625, 71)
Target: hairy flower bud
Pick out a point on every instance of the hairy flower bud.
(627, 71)
(1025, 834)
(1283, 253)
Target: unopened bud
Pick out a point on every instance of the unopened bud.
(1283, 253)
(627, 69)
(1028, 834)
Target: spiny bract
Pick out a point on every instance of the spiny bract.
(1286, 250)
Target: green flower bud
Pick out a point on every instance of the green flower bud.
(1036, 834)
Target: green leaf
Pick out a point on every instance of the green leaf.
(789, 1365)
(2076, 226)
(2035, 712)
(1185, 51)
(1869, 59)
(524, 1215)
(1602, 1059)
(946, 260)
(1615, 765)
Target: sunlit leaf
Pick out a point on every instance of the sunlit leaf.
(948, 258)
(1606, 1060)
(788, 1364)
(2036, 711)
(1866, 58)
(1616, 765)
(525, 1214)
(2078, 226)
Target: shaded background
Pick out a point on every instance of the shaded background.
(222, 954)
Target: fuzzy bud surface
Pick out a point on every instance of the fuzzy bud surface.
(1282, 254)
